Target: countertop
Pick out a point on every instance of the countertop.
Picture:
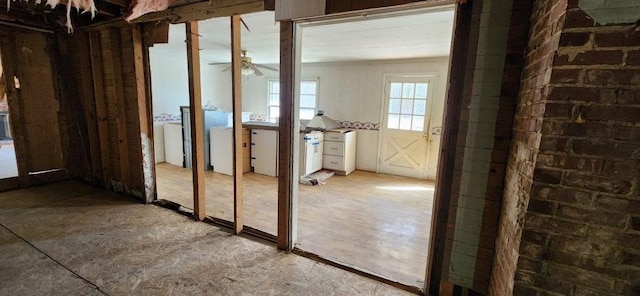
(260, 125)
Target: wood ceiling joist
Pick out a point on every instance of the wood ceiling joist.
(203, 10)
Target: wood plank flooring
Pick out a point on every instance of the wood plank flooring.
(375, 222)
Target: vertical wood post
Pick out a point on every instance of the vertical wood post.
(146, 144)
(236, 68)
(285, 156)
(121, 103)
(101, 106)
(197, 125)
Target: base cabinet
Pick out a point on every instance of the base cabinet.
(339, 152)
(264, 152)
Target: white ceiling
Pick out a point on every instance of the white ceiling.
(417, 35)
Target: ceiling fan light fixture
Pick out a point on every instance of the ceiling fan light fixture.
(246, 71)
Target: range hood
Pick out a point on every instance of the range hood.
(322, 122)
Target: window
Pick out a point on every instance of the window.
(407, 106)
(308, 99)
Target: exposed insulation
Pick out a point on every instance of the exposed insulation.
(84, 5)
(142, 7)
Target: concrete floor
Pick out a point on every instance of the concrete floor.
(73, 239)
(8, 166)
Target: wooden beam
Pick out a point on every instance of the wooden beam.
(197, 125)
(146, 142)
(447, 157)
(285, 156)
(236, 75)
(203, 10)
(101, 106)
(118, 92)
(147, 76)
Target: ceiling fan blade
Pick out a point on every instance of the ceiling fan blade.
(227, 69)
(268, 68)
(255, 69)
(245, 24)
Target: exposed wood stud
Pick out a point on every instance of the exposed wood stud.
(286, 125)
(447, 157)
(101, 106)
(146, 151)
(197, 125)
(89, 106)
(118, 85)
(236, 68)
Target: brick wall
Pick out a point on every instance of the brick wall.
(525, 140)
(581, 233)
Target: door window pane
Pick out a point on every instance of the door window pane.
(396, 90)
(394, 106)
(419, 107)
(418, 123)
(407, 90)
(421, 90)
(405, 122)
(393, 121)
(407, 106)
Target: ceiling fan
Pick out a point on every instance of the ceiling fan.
(248, 67)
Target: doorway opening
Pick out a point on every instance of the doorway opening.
(383, 80)
(9, 168)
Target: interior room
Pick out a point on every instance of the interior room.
(346, 64)
(535, 190)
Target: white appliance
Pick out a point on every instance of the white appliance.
(264, 152)
(173, 143)
(311, 148)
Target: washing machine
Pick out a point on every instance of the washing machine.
(311, 145)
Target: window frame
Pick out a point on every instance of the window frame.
(271, 118)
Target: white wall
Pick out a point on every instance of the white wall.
(348, 92)
(169, 83)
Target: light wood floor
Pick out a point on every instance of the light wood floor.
(376, 222)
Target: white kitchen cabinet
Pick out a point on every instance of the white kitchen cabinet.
(340, 151)
(173, 144)
(222, 150)
(264, 152)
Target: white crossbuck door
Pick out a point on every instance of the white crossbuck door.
(405, 126)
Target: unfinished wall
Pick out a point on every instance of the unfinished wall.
(108, 97)
(581, 233)
(527, 127)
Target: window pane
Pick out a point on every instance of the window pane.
(394, 106)
(421, 90)
(407, 90)
(308, 87)
(418, 123)
(274, 86)
(407, 107)
(396, 90)
(393, 121)
(307, 101)
(274, 99)
(405, 122)
(419, 107)
(273, 113)
(307, 113)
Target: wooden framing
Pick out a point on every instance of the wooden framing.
(118, 85)
(203, 10)
(197, 125)
(101, 105)
(285, 156)
(146, 153)
(447, 158)
(236, 74)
